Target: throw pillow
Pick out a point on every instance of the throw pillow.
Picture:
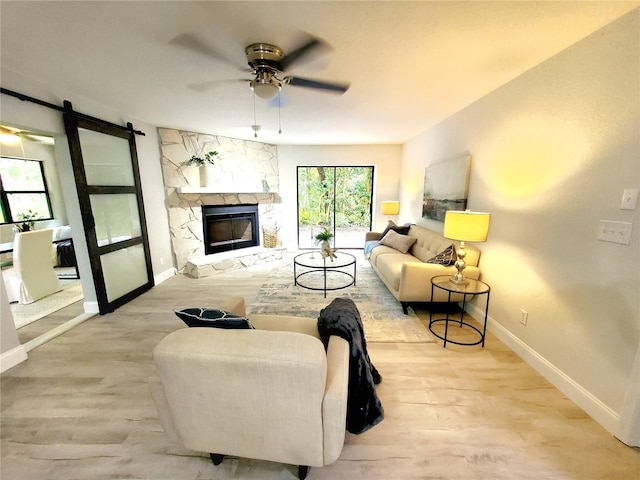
(446, 257)
(403, 230)
(402, 243)
(210, 317)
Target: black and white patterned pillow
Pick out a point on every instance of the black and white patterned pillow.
(446, 257)
(211, 317)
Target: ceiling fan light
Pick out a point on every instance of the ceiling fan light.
(265, 85)
(266, 91)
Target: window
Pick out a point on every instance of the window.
(23, 188)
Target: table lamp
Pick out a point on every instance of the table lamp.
(390, 208)
(465, 226)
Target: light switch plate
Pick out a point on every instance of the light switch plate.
(615, 232)
(629, 198)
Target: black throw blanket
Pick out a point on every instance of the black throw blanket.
(364, 410)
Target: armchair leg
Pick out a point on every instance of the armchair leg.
(216, 458)
(405, 305)
(302, 471)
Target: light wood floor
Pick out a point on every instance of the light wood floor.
(79, 408)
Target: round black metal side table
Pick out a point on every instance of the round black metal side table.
(469, 289)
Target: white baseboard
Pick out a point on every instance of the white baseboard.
(12, 357)
(57, 331)
(91, 307)
(162, 276)
(600, 412)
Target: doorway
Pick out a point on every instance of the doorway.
(30, 183)
(338, 198)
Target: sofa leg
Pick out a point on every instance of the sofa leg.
(302, 471)
(405, 305)
(216, 458)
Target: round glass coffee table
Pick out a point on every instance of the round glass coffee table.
(313, 272)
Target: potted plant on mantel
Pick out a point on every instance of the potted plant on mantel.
(322, 239)
(202, 161)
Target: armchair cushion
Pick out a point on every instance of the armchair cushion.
(207, 317)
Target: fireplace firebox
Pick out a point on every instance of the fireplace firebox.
(230, 227)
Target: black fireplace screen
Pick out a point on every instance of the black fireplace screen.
(229, 227)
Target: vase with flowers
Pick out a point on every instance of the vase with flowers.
(202, 161)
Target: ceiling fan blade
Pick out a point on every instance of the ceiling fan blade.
(193, 43)
(295, 56)
(308, 83)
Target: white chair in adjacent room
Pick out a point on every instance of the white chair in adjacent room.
(32, 276)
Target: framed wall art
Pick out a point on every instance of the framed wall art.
(446, 186)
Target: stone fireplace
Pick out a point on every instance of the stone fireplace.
(244, 172)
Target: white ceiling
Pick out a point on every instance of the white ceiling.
(410, 64)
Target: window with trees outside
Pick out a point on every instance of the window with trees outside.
(23, 190)
(336, 198)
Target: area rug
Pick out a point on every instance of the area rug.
(381, 313)
(25, 314)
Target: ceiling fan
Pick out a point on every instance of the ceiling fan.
(268, 64)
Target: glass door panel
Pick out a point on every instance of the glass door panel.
(116, 217)
(124, 270)
(107, 159)
(354, 189)
(315, 203)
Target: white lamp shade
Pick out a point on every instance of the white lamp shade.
(466, 226)
(390, 208)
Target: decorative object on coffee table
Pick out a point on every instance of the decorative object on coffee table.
(323, 238)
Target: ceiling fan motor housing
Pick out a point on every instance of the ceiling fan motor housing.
(264, 55)
(264, 59)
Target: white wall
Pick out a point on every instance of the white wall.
(551, 154)
(385, 158)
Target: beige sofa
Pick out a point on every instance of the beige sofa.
(272, 393)
(408, 275)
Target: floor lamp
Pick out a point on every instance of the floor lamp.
(465, 226)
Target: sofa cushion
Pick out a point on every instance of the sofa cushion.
(446, 257)
(402, 243)
(212, 317)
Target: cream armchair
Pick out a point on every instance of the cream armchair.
(272, 393)
(32, 276)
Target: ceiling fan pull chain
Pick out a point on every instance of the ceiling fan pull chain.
(255, 124)
(279, 120)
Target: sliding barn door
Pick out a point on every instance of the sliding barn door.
(105, 165)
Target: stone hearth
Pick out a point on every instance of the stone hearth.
(227, 261)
